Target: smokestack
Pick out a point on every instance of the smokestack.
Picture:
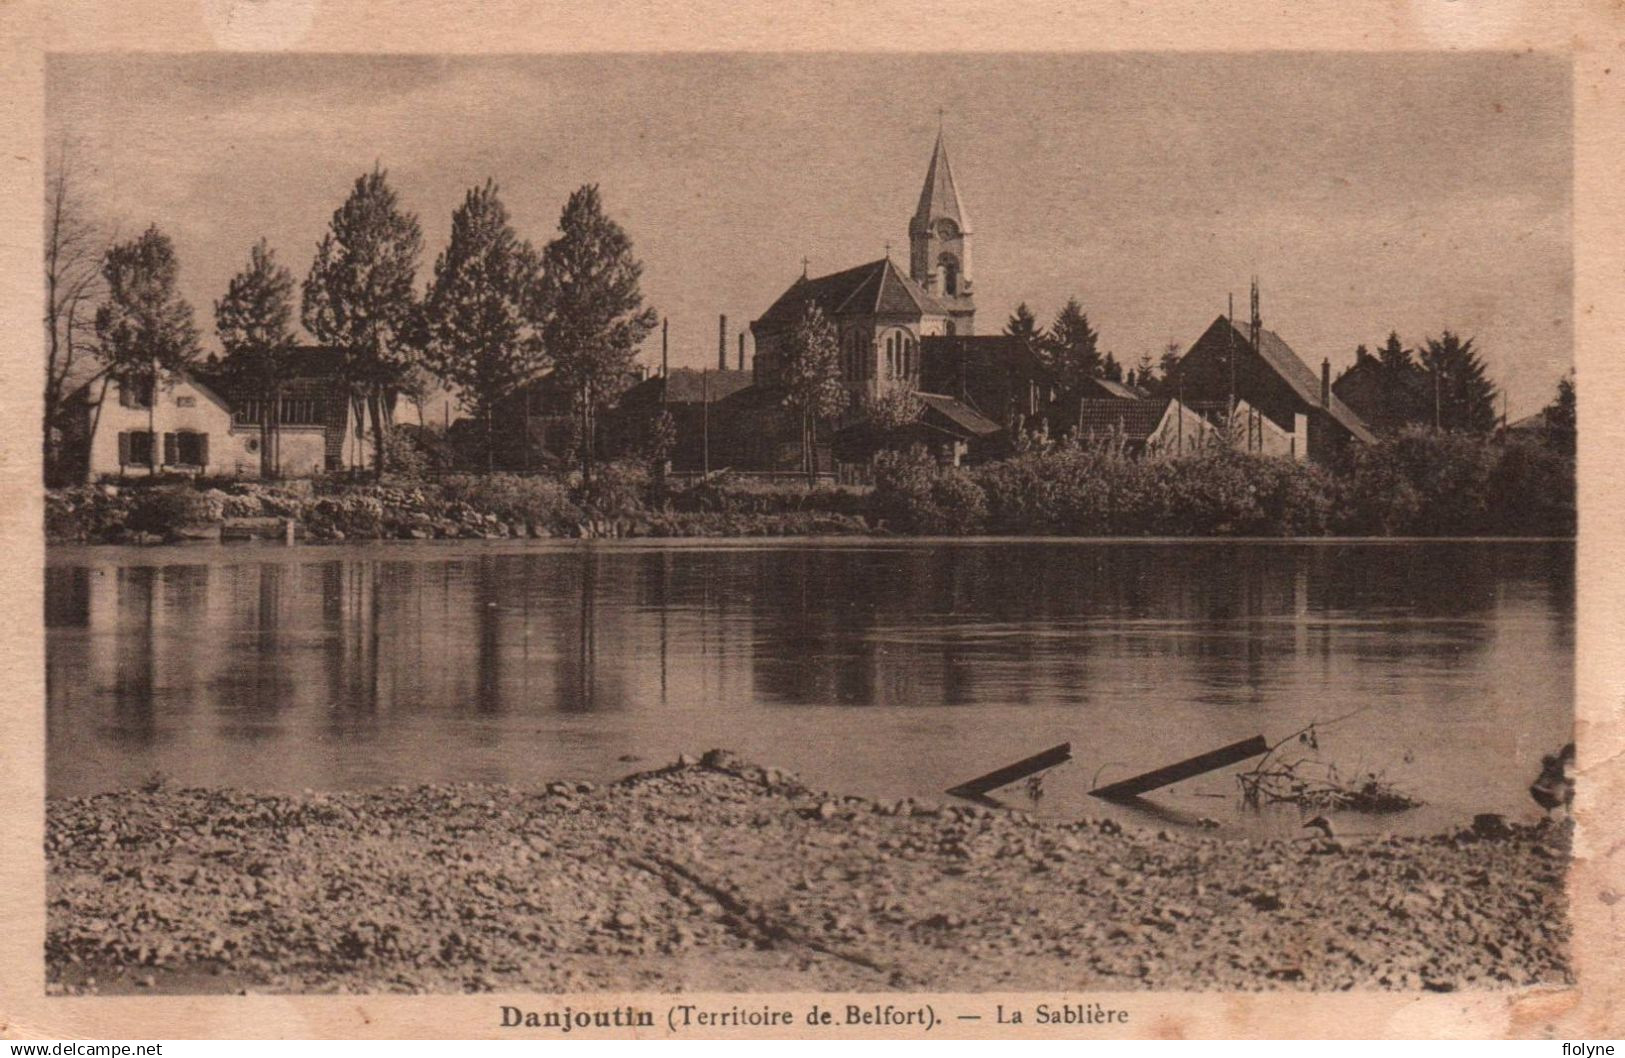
(1326, 383)
(741, 350)
(722, 343)
(665, 360)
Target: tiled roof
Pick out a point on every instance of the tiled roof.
(1119, 390)
(1301, 377)
(876, 288)
(966, 418)
(1135, 418)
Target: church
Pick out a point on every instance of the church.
(881, 313)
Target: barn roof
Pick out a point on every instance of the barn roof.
(1300, 377)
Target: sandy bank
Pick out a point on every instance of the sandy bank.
(728, 876)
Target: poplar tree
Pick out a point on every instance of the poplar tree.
(594, 316)
(358, 296)
(253, 323)
(812, 378)
(482, 313)
(145, 327)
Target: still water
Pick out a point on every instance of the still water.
(884, 668)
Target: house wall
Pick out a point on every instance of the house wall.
(301, 451)
(180, 406)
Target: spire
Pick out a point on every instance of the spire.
(940, 197)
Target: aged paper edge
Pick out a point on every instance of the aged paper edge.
(1590, 34)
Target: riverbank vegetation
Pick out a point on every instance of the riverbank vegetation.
(1415, 483)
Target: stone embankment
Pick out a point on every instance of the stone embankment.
(721, 875)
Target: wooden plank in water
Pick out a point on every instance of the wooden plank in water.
(1185, 769)
(979, 786)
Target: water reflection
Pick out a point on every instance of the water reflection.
(345, 667)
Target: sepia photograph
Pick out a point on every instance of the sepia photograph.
(739, 522)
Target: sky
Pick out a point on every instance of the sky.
(1367, 192)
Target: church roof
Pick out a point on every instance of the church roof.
(940, 196)
(878, 288)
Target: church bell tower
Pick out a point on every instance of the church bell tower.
(939, 236)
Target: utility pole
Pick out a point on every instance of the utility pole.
(705, 420)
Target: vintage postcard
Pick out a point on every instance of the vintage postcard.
(905, 525)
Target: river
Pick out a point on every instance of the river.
(888, 668)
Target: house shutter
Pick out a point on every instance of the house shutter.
(123, 444)
(171, 454)
(124, 394)
(202, 449)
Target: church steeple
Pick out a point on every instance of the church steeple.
(939, 233)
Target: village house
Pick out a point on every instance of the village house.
(117, 428)
(1278, 404)
(318, 427)
(702, 439)
(196, 424)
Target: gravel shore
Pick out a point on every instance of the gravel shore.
(722, 875)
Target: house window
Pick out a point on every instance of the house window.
(135, 448)
(135, 393)
(191, 449)
(185, 402)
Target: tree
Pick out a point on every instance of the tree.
(812, 378)
(1145, 374)
(1463, 396)
(594, 313)
(1169, 364)
(893, 409)
(481, 316)
(1558, 418)
(253, 322)
(1110, 369)
(358, 296)
(73, 283)
(1023, 324)
(1071, 347)
(146, 328)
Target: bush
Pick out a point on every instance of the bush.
(163, 509)
(1426, 483)
(913, 494)
(531, 498)
(617, 490)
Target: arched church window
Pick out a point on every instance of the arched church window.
(950, 273)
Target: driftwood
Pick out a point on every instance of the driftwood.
(1311, 783)
(1185, 769)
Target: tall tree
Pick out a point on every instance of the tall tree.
(1558, 418)
(1169, 363)
(73, 283)
(812, 378)
(481, 315)
(1145, 374)
(358, 297)
(594, 312)
(1023, 324)
(1110, 369)
(253, 322)
(146, 328)
(1072, 346)
(1394, 357)
(1463, 396)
